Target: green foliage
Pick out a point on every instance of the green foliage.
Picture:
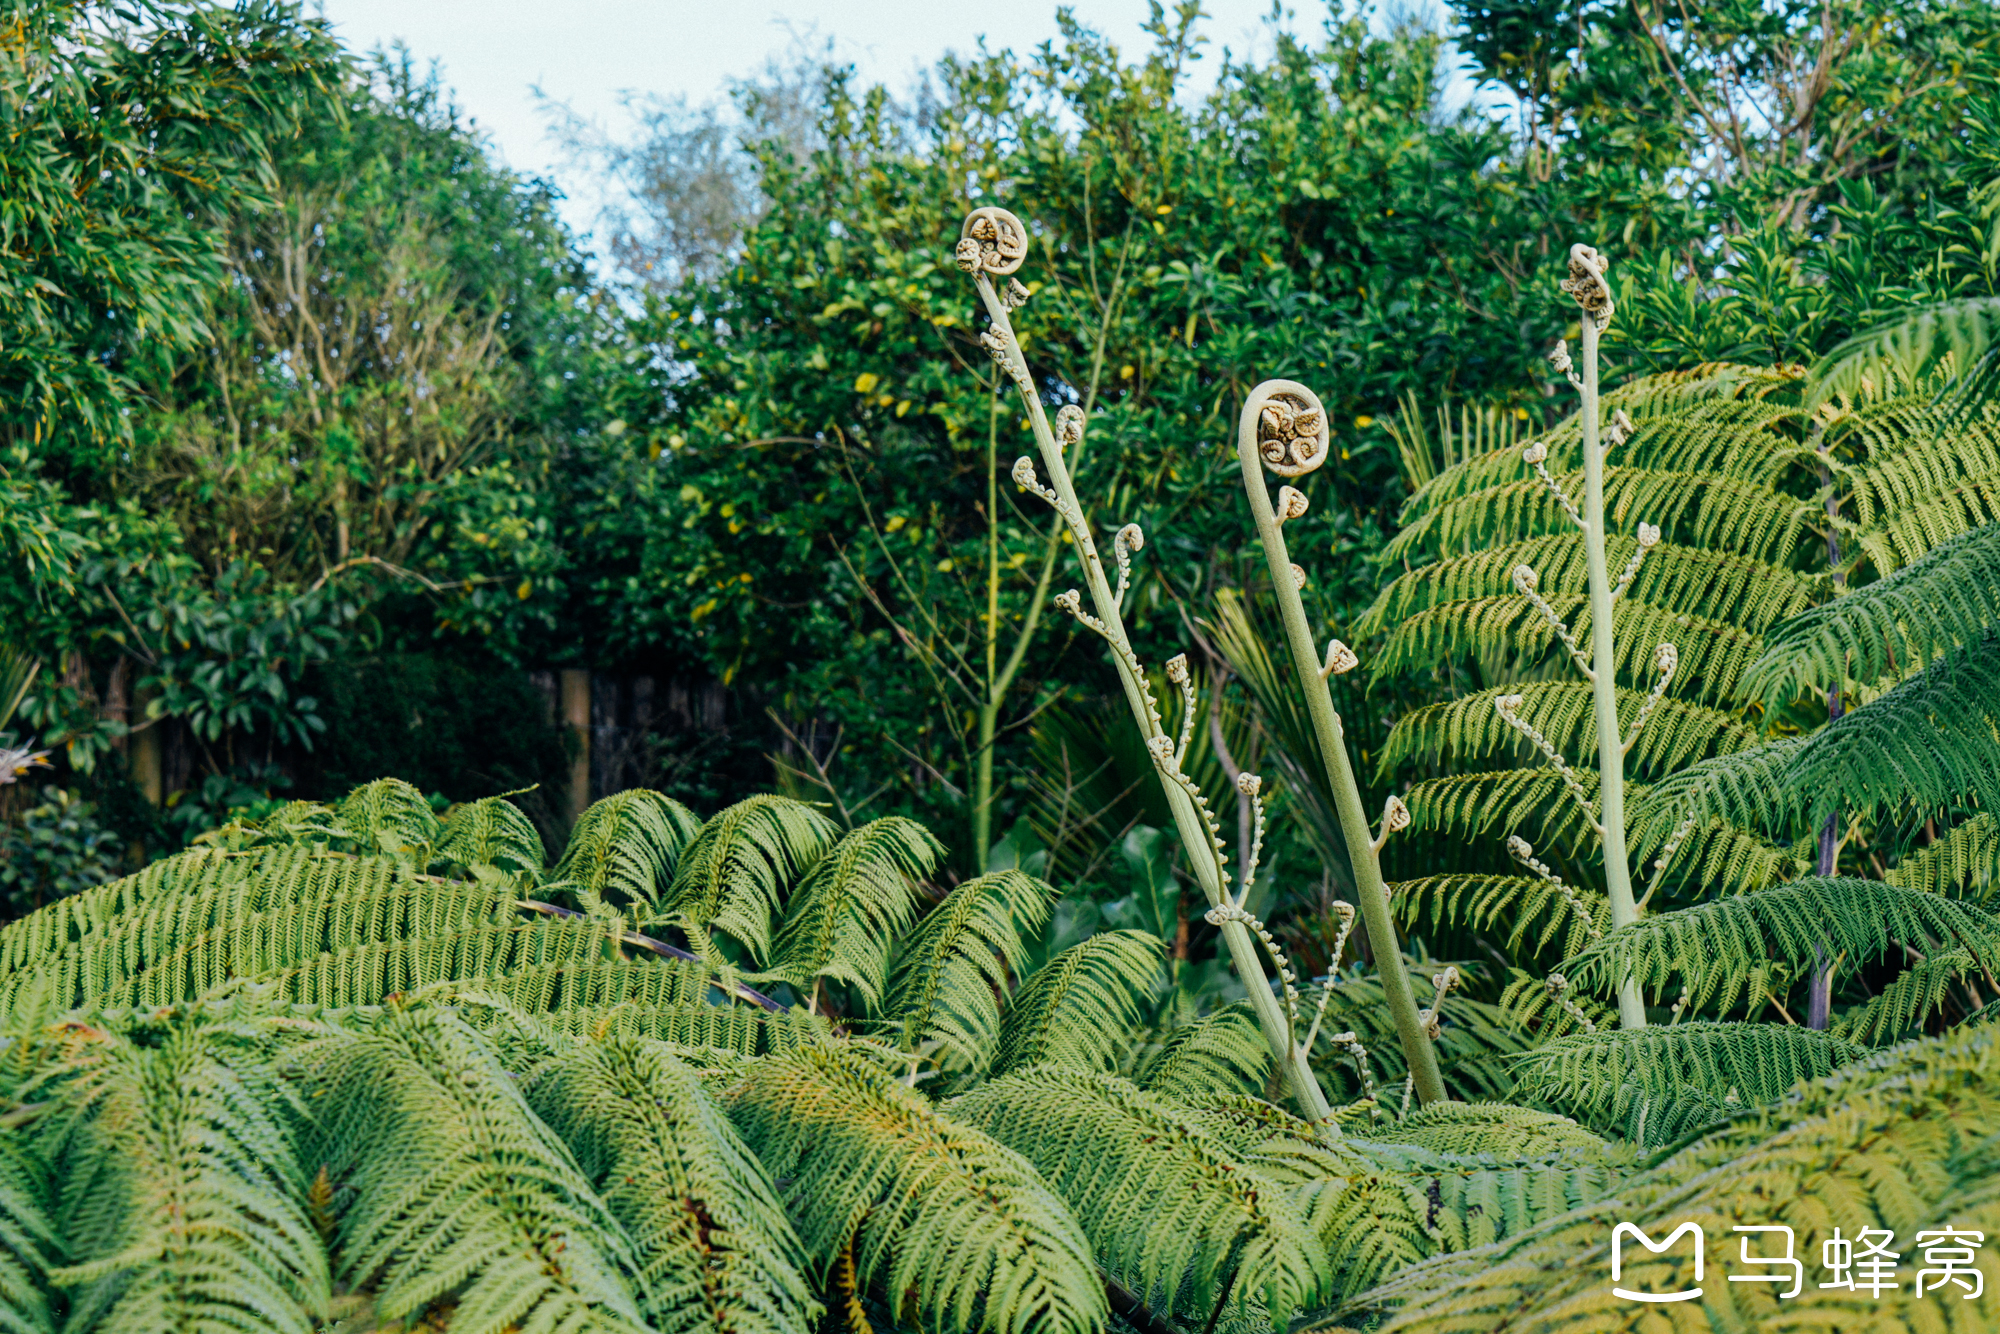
(845, 915)
(958, 1227)
(490, 837)
(953, 970)
(1659, 1083)
(54, 848)
(731, 877)
(1078, 1008)
(1737, 948)
(720, 1255)
(1901, 1140)
(628, 845)
(1122, 1158)
(1223, 1051)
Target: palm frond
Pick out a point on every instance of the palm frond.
(715, 1251)
(952, 971)
(1080, 1007)
(1727, 949)
(927, 1207)
(1949, 598)
(626, 847)
(843, 918)
(734, 876)
(1174, 1212)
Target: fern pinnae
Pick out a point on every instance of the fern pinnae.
(842, 919)
(1469, 729)
(1725, 949)
(1079, 1007)
(1172, 1210)
(626, 847)
(735, 874)
(1224, 1051)
(935, 1211)
(389, 817)
(714, 1251)
(951, 972)
(491, 837)
(1964, 861)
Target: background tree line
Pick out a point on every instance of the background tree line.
(322, 435)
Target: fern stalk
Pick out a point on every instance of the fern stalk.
(994, 243)
(1362, 852)
(1604, 686)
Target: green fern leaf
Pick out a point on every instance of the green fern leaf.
(389, 817)
(930, 1209)
(1224, 1052)
(843, 918)
(733, 876)
(1469, 729)
(491, 837)
(1079, 1009)
(715, 1251)
(1965, 861)
(626, 847)
(1173, 1212)
(952, 971)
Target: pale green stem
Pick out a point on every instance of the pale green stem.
(1243, 948)
(989, 706)
(1376, 918)
(1604, 689)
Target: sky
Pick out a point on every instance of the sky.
(494, 53)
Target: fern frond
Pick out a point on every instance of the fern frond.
(1522, 901)
(1475, 805)
(1469, 729)
(29, 1244)
(1224, 1052)
(1079, 1008)
(1496, 1129)
(1173, 1213)
(951, 972)
(1928, 741)
(1906, 350)
(389, 817)
(715, 1251)
(627, 846)
(936, 1212)
(1660, 1082)
(1918, 992)
(458, 1187)
(187, 1206)
(1896, 1141)
(843, 918)
(1949, 598)
(491, 837)
(1726, 949)
(1965, 861)
(733, 877)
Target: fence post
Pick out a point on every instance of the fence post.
(575, 700)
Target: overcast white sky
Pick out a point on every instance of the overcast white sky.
(585, 52)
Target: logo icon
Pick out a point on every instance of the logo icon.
(1623, 1230)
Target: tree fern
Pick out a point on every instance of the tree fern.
(185, 1203)
(1495, 1129)
(459, 1188)
(1965, 860)
(928, 1209)
(1927, 741)
(1919, 991)
(844, 917)
(1724, 951)
(952, 971)
(1534, 911)
(1660, 1082)
(1947, 599)
(1902, 1140)
(490, 837)
(732, 877)
(29, 1246)
(390, 817)
(1223, 1052)
(1470, 729)
(1079, 1008)
(1173, 1212)
(626, 847)
(714, 1249)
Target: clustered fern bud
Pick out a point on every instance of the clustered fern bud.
(1249, 784)
(1292, 503)
(1069, 425)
